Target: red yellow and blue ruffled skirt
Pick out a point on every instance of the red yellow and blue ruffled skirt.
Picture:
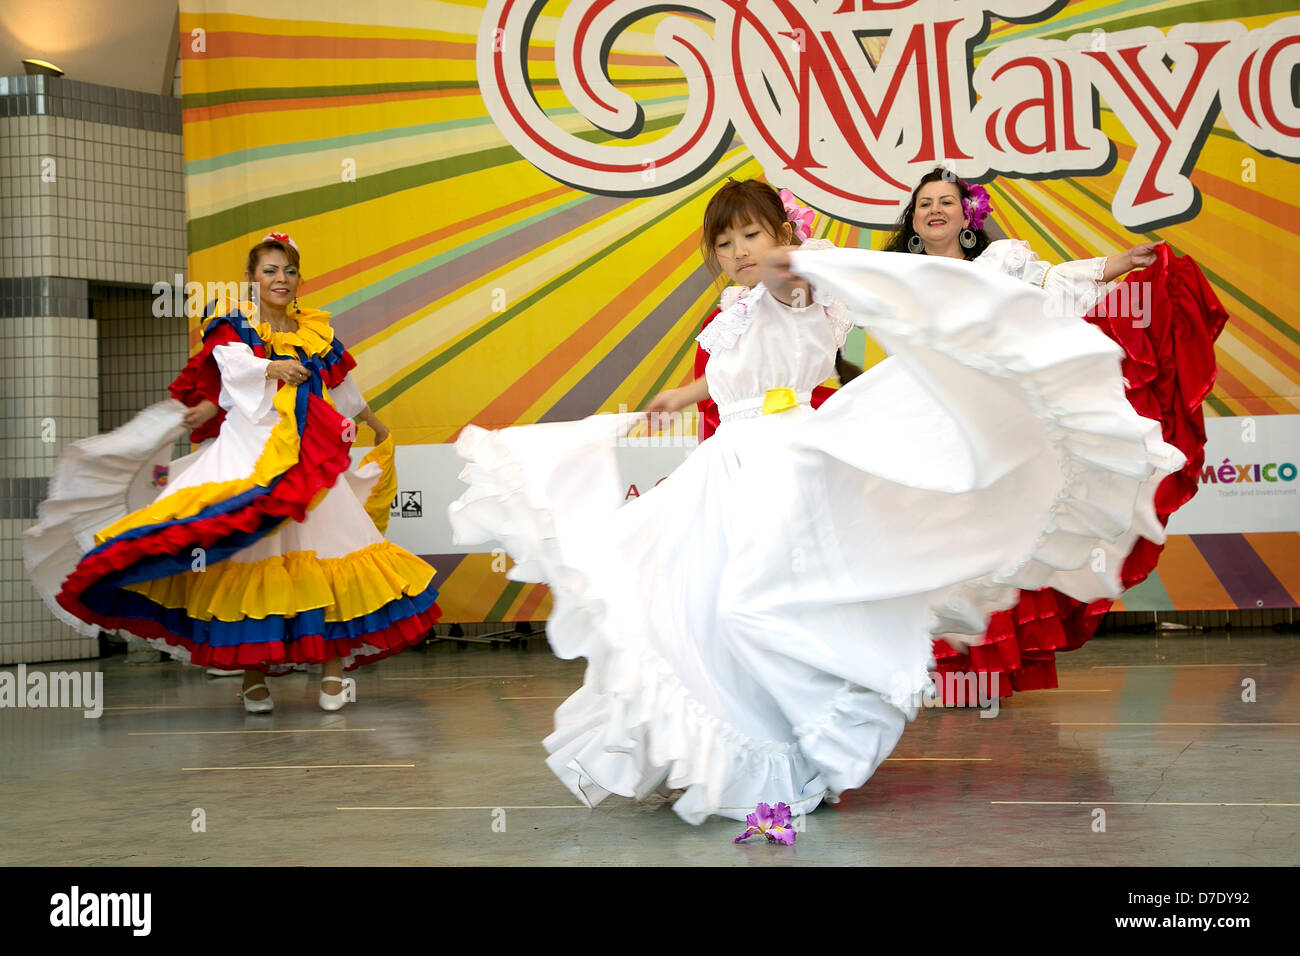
(265, 552)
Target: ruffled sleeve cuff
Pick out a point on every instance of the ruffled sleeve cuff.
(1077, 285)
(347, 399)
(244, 385)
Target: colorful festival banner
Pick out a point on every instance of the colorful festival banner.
(500, 202)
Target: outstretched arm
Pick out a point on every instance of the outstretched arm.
(675, 399)
(1139, 257)
(378, 427)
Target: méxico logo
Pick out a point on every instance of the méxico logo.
(847, 103)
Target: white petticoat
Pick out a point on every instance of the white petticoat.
(758, 627)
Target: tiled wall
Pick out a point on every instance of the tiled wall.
(139, 354)
(91, 216)
(48, 397)
(86, 198)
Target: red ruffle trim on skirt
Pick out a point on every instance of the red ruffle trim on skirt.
(1167, 333)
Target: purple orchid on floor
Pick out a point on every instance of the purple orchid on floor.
(772, 822)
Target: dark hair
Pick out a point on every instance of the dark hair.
(737, 203)
(903, 231)
(267, 245)
(845, 370)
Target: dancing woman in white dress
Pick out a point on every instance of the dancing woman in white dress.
(758, 627)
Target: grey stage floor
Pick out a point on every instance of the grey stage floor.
(443, 749)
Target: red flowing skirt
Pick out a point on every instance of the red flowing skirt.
(1169, 369)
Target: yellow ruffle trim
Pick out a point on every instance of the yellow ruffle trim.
(347, 587)
(278, 455)
(314, 333)
(385, 489)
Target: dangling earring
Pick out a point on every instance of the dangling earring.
(915, 243)
(967, 239)
(299, 311)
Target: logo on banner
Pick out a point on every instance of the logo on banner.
(850, 124)
(407, 504)
(1256, 473)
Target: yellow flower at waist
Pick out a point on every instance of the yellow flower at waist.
(778, 400)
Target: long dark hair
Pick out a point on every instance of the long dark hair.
(903, 230)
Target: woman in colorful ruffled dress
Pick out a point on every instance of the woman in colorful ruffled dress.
(1165, 317)
(758, 627)
(266, 552)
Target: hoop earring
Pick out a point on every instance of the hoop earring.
(967, 239)
(915, 243)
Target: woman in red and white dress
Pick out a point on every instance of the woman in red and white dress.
(1168, 369)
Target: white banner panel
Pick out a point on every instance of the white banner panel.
(1248, 484)
(1249, 480)
(428, 481)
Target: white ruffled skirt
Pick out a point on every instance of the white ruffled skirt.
(758, 627)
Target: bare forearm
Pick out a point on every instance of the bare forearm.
(378, 427)
(1116, 266)
(697, 391)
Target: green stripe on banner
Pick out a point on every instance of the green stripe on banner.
(1218, 405)
(855, 346)
(487, 328)
(197, 167)
(1047, 237)
(1150, 595)
(662, 380)
(253, 94)
(340, 306)
(207, 231)
(1059, 28)
(1214, 131)
(497, 612)
(1266, 314)
(1276, 321)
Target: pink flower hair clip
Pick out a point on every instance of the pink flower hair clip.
(976, 205)
(801, 217)
(279, 237)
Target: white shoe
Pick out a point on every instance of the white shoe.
(218, 672)
(262, 706)
(336, 701)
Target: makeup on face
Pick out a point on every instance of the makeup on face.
(939, 216)
(276, 278)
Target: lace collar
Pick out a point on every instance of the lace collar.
(737, 315)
